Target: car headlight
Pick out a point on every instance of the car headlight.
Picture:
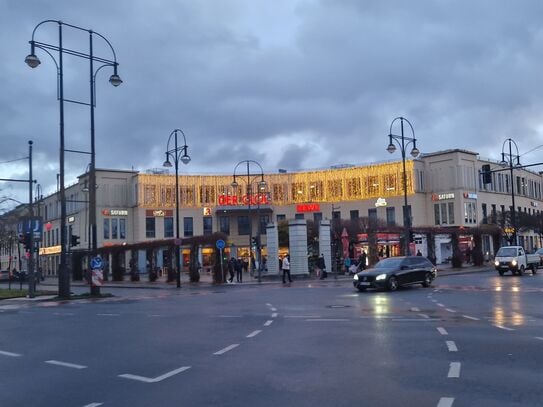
(355, 277)
(513, 262)
(381, 277)
(496, 263)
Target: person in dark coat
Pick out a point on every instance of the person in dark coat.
(362, 261)
(239, 270)
(322, 266)
(231, 268)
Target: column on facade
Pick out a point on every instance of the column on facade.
(325, 247)
(272, 241)
(297, 230)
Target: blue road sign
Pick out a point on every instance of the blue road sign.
(96, 262)
(220, 244)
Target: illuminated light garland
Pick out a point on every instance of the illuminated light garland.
(324, 186)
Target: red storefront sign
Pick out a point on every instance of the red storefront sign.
(255, 199)
(311, 207)
(381, 237)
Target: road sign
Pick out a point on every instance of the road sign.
(220, 244)
(96, 262)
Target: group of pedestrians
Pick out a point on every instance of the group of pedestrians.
(235, 266)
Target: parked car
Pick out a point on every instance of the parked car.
(4, 275)
(394, 272)
(540, 253)
(515, 259)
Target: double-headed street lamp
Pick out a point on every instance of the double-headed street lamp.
(249, 197)
(33, 61)
(403, 142)
(509, 159)
(177, 153)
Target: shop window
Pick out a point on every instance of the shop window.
(106, 228)
(168, 226)
(243, 225)
(150, 227)
(208, 225)
(188, 229)
(224, 224)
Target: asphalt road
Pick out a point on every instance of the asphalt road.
(469, 340)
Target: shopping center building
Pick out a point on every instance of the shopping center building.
(444, 190)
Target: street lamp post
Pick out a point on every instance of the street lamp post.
(177, 153)
(261, 185)
(509, 159)
(403, 142)
(33, 61)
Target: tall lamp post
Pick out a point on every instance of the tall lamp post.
(249, 198)
(33, 61)
(177, 153)
(403, 142)
(508, 158)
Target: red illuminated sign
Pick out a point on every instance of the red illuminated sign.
(311, 207)
(256, 199)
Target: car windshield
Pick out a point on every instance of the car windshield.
(389, 263)
(507, 252)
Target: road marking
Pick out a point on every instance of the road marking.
(414, 309)
(539, 337)
(154, 379)
(228, 348)
(450, 310)
(445, 402)
(302, 316)
(229, 316)
(254, 333)
(274, 315)
(93, 405)
(424, 316)
(65, 364)
(442, 331)
(109, 315)
(154, 315)
(504, 327)
(268, 322)
(472, 318)
(269, 305)
(327, 320)
(414, 319)
(434, 300)
(15, 355)
(273, 309)
(440, 304)
(64, 314)
(451, 346)
(454, 370)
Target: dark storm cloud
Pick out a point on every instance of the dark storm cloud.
(296, 84)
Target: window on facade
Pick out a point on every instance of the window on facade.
(354, 187)
(316, 191)
(354, 215)
(207, 194)
(167, 195)
(188, 229)
(317, 217)
(335, 189)
(187, 196)
(299, 216)
(372, 214)
(208, 225)
(149, 195)
(106, 228)
(470, 212)
(390, 182)
(243, 225)
(122, 228)
(451, 212)
(114, 228)
(336, 215)
(298, 191)
(224, 224)
(485, 214)
(264, 220)
(168, 226)
(437, 215)
(372, 185)
(391, 216)
(150, 227)
(281, 217)
(278, 193)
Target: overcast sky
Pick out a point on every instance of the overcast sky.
(290, 84)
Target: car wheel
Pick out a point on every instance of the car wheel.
(392, 283)
(361, 289)
(534, 269)
(501, 272)
(521, 270)
(427, 280)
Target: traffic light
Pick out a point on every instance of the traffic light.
(26, 241)
(411, 236)
(487, 174)
(74, 240)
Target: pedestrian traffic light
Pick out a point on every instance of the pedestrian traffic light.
(74, 240)
(487, 174)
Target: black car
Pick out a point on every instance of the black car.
(394, 272)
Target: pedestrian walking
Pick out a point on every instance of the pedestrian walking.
(231, 268)
(322, 267)
(362, 261)
(286, 269)
(239, 271)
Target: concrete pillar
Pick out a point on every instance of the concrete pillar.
(272, 239)
(325, 243)
(297, 231)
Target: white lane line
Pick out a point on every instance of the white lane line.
(268, 322)
(64, 314)
(424, 316)
(434, 300)
(302, 316)
(93, 405)
(450, 310)
(254, 333)
(228, 348)
(269, 305)
(445, 402)
(454, 370)
(451, 346)
(65, 364)
(440, 304)
(442, 331)
(228, 316)
(274, 315)
(327, 320)
(15, 355)
(504, 328)
(472, 318)
(109, 315)
(413, 320)
(154, 379)
(414, 309)
(539, 337)
(273, 309)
